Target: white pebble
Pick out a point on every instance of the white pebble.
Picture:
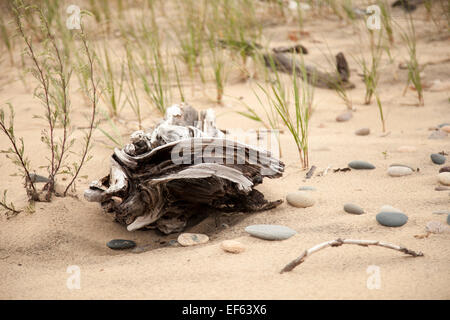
(397, 171)
(444, 178)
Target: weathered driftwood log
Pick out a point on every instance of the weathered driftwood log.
(183, 168)
(331, 80)
(283, 59)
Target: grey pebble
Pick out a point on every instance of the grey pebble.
(361, 165)
(437, 158)
(38, 178)
(344, 116)
(270, 231)
(353, 208)
(120, 244)
(392, 219)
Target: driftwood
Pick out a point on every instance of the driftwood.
(339, 242)
(183, 168)
(331, 80)
(283, 59)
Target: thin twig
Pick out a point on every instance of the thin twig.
(339, 242)
(94, 107)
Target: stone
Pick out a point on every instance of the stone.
(361, 165)
(232, 246)
(401, 165)
(36, 178)
(438, 134)
(344, 116)
(300, 199)
(392, 219)
(353, 208)
(388, 208)
(444, 169)
(437, 158)
(362, 132)
(406, 149)
(397, 171)
(270, 231)
(444, 178)
(120, 244)
(192, 239)
(307, 188)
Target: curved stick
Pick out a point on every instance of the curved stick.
(339, 242)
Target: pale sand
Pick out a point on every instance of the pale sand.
(37, 248)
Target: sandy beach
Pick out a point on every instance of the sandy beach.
(38, 246)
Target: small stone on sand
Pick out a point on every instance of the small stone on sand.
(353, 208)
(361, 165)
(344, 116)
(232, 246)
(300, 199)
(120, 244)
(437, 158)
(444, 178)
(270, 231)
(397, 171)
(192, 239)
(362, 132)
(392, 219)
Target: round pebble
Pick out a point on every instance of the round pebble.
(307, 188)
(437, 158)
(444, 178)
(397, 171)
(344, 116)
(120, 244)
(444, 169)
(232, 246)
(392, 219)
(361, 165)
(388, 208)
(353, 208)
(300, 199)
(362, 132)
(192, 239)
(446, 128)
(270, 231)
(406, 149)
